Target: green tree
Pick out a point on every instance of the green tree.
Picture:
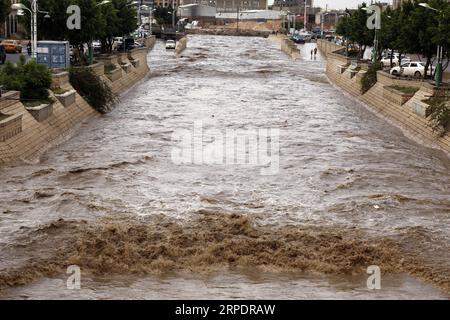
(119, 19)
(5, 8)
(163, 15)
(355, 30)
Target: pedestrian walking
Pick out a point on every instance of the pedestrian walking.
(315, 51)
(312, 52)
(29, 48)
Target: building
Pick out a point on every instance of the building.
(242, 5)
(298, 8)
(197, 12)
(294, 6)
(230, 5)
(11, 27)
(329, 19)
(166, 3)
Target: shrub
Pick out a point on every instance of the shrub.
(405, 90)
(370, 77)
(439, 113)
(33, 80)
(91, 87)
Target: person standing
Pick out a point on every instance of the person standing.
(29, 48)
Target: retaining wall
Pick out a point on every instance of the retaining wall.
(327, 46)
(290, 48)
(33, 137)
(408, 114)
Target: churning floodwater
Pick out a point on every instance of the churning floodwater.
(350, 191)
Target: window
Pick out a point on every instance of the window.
(405, 65)
(414, 65)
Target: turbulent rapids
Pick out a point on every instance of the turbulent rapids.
(351, 191)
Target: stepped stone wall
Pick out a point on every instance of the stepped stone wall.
(408, 113)
(26, 134)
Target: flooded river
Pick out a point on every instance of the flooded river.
(350, 191)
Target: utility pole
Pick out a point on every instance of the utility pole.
(139, 13)
(173, 14)
(237, 19)
(289, 24)
(305, 18)
(34, 9)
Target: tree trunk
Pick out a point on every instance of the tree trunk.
(392, 57)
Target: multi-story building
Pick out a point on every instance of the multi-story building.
(11, 27)
(230, 5)
(234, 5)
(166, 3)
(294, 6)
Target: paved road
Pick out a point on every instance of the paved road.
(14, 57)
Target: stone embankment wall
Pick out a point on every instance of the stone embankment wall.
(407, 112)
(26, 133)
(290, 48)
(286, 45)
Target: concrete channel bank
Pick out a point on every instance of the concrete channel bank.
(27, 133)
(408, 112)
(286, 45)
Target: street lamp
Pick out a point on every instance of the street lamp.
(150, 16)
(305, 18)
(440, 49)
(34, 10)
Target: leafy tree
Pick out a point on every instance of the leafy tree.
(355, 30)
(162, 14)
(441, 31)
(120, 19)
(5, 8)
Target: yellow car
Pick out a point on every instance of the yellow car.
(12, 46)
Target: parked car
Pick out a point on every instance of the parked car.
(386, 60)
(414, 68)
(129, 45)
(12, 46)
(97, 46)
(298, 39)
(170, 44)
(306, 35)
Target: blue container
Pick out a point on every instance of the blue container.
(54, 54)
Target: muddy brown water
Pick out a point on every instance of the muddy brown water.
(351, 191)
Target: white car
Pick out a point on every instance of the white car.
(170, 44)
(414, 68)
(117, 42)
(96, 45)
(306, 35)
(386, 61)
